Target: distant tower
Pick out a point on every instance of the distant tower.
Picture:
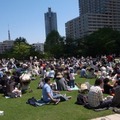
(9, 33)
(50, 21)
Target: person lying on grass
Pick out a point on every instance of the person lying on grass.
(49, 95)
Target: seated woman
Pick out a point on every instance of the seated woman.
(90, 73)
(61, 82)
(97, 74)
(82, 98)
(108, 88)
(11, 90)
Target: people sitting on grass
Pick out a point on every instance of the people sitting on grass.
(11, 89)
(49, 95)
(82, 97)
(95, 96)
(17, 68)
(25, 80)
(108, 87)
(116, 97)
(60, 82)
(51, 72)
(83, 72)
(40, 83)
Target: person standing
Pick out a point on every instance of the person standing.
(72, 79)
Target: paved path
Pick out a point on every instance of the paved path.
(109, 117)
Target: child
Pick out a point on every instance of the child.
(72, 79)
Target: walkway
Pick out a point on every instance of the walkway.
(109, 117)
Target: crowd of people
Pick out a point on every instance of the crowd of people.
(16, 76)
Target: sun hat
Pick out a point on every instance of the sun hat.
(59, 75)
(83, 87)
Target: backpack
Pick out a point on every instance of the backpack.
(81, 99)
(32, 101)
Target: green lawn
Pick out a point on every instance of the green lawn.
(17, 109)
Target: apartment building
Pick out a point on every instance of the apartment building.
(38, 47)
(6, 45)
(95, 14)
(73, 28)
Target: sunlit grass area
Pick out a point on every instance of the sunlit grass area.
(17, 109)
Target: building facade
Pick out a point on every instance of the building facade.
(6, 45)
(95, 14)
(38, 47)
(72, 28)
(50, 21)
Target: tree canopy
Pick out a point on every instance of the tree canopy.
(102, 41)
(54, 44)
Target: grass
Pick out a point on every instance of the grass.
(17, 109)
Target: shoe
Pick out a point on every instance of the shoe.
(100, 109)
(69, 97)
(58, 100)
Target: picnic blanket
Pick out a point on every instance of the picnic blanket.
(75, 88)
(41, 103)
(32, 101)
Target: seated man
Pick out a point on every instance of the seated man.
(51, 96)
(83, 72)
(108, 88)
(95, 96)
(116, 97)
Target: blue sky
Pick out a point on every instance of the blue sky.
(25, 18)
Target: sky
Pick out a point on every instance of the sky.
(25, 18)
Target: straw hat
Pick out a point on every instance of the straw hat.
(59, 75)
(83, 87)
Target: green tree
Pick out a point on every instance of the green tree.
(80, 47)
(103, 41)
(21, 48)
(54, 44)
(70, 47)
(20, 40)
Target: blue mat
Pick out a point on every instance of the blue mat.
(75, 88)
(41, 103)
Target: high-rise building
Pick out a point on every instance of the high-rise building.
(91, 6)
(50, 21)
(95, 14)
(73, 28)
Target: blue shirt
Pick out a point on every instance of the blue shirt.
(83, 72)
(1, 73)
(45, 90)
